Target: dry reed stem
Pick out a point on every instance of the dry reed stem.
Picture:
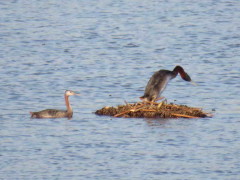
(131, 110)
(184, 115)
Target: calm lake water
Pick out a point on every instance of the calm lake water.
(107, 50)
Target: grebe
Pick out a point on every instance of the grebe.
(54, 113)
(159, 81)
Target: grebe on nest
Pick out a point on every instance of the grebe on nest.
(54, 113)
(159, 80)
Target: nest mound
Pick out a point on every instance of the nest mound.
(155, 110)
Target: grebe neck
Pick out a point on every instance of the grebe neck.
(180, 70)
(69, 108)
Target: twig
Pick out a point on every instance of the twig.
(184, 115)
(148, 110)
(122, 113)
(137, 108)
(131, 110)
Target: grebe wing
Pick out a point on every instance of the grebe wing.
(159, 80)
(49, 113)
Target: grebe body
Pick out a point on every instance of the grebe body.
(159, 80)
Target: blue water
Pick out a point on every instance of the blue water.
(107, 50)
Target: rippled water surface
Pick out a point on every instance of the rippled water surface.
(107, 50)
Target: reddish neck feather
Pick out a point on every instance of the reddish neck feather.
(180, 70)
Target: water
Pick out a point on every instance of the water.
(107, 50)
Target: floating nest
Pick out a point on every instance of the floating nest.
(155, 110)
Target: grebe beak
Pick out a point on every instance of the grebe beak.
(75, 94)
(193, 83)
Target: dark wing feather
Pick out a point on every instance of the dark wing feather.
(157, 84)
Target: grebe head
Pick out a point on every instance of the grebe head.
(70, 93)
(183, 74)
(186, 77)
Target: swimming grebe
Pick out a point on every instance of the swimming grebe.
(159, 81)
(54, 113)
